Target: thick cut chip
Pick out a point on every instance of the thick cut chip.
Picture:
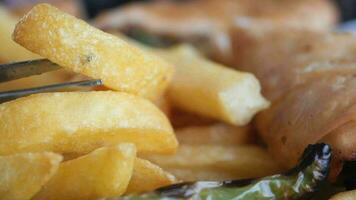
(218, 134)
(247, 161)
(9, 50)
(105, 172)
(79, 122)
(212, 90)
(75, 45)
(23, 175)
(147, 177)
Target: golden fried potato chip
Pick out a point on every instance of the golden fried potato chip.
(79, 122)
(246, 161)
(210, 89)
(218, 134)
(23, 175)
(147, 177)
(105, 172)
(9, 50)
(75, 45)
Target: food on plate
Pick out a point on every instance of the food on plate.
(75, 45)
(9, 50)
(79, 122)
(239, 161)
(209, 89)
(105, 172)
(23, 175)
(105, 144)
(208, 23)
(306, 73)
(217, 133)
(147, 176)
(299, 183)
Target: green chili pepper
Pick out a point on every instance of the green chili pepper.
(299, 183)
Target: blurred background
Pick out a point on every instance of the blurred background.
(93, 7)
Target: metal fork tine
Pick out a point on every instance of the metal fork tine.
(23, 69)
(14, 94)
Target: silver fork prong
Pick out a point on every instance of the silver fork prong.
(14, 94)
(12, 71)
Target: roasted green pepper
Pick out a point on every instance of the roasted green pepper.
(299, 183)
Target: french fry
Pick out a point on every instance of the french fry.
(9, 50)
(212, 90)
(218, 134)
(105, 172)
(23, 175)
(79, 122)
(147, 177)
(77, 46)
(245, 161)
(349, 195)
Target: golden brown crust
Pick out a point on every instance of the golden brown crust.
(75, 45)
(79, 122)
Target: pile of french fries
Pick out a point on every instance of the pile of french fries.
(96, 144)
